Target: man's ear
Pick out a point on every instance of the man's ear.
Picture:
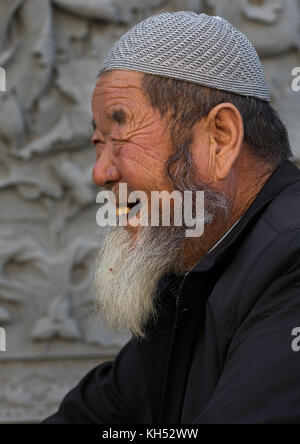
(226, 135)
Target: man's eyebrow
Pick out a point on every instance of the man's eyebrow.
(118, 116)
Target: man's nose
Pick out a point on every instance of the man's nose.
(105, 171)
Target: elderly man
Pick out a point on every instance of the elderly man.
(182, 104)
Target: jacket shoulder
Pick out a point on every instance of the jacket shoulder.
(283, 214)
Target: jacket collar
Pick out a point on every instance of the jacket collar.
(283, 177)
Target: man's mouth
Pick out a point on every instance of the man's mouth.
(126, 209)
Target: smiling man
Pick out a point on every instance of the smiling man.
(182, 104)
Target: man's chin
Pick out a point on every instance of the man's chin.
(126, 278)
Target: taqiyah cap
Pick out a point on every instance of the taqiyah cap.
(197, 48)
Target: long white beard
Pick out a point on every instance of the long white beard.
(126, 276)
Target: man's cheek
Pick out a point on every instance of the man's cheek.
(135, 163)
(130, 152)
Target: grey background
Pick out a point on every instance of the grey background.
(52, 51)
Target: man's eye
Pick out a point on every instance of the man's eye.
(118, 141)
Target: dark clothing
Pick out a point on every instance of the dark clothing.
(221, 352)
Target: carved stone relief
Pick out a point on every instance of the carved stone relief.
(51, 51)
(32, 390)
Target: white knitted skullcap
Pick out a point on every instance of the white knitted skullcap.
(196, 48)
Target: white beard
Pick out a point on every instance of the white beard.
(126, 276)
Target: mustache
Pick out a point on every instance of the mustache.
(115, 189)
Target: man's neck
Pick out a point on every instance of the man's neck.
(196, 249)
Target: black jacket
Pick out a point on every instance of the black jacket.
(223, 353)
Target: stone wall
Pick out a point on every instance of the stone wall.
(51, 51)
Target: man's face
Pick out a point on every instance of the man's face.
(131, 141)
(133, 146)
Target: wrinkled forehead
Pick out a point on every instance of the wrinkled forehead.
(117, 82)
(119, 95)
(119, 98)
